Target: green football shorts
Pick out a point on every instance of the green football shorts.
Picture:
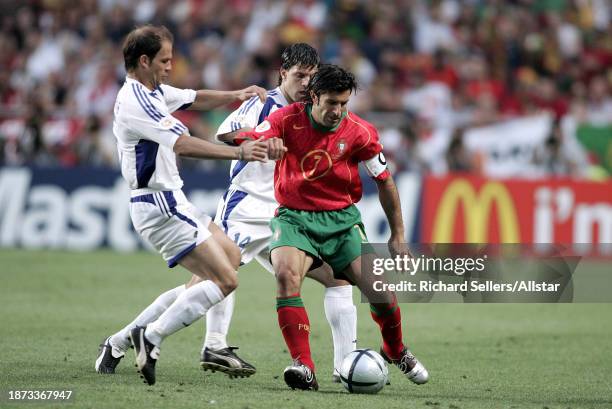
(333, 236)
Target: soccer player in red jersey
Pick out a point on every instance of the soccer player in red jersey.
(317, 183)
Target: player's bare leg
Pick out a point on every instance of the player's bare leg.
(209, 262)
(386, 313)
(340, 312)
(290, 267)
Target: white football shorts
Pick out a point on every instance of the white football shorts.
(170, 223)
(246, 220)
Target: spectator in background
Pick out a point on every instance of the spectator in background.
(92, 148)
(455, 63)
(551, 158)
(433, 29)
(599, 102)
(458, 158)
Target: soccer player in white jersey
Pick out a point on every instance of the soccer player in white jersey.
(148, 140)
(246, 209)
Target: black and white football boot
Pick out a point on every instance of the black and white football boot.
(409, 365)
(147, 354)
(108, 357)
(299, 376)
(227, 361)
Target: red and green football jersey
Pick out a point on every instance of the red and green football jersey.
(319, 171)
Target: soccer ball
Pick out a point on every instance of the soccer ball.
(363, 371)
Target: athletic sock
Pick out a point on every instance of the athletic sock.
(121, 340)
(190, 306)
(294, 324)
(342, 317)
(218, 319)
(389, 319)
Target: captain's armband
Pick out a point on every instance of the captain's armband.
(377, 167)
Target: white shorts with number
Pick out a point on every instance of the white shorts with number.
(246, 220)
(170, 223)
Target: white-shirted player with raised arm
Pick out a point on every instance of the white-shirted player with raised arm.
(148, 140)
(248, 206)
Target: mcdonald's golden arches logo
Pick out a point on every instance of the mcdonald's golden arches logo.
(477, 207)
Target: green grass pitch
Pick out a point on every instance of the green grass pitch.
(58, 306)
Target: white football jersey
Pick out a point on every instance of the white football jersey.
(146, 132)
(254, 178)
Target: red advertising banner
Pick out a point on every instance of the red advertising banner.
(471, 209)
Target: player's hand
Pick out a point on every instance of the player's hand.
(397, 246)
(276, 148)
(254, 151)
(249, 92)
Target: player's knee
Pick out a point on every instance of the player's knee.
(288, 278)
(228, 282)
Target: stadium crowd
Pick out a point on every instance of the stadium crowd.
(428, 70)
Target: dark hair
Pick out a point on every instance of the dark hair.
(145, 40)
(331, 78)
(300, 54)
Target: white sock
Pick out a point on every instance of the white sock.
(218, 319)
(190, 306)
(342, 317)
(121, 340)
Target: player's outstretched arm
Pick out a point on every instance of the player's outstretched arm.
(210, 99)
(390, 202)
(197, 148)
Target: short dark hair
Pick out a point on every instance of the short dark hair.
(300, 54)
(144, 40)
(331, 78)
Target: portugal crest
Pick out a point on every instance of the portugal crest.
(340, 148)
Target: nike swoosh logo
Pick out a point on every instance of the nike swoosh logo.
(297, 128)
